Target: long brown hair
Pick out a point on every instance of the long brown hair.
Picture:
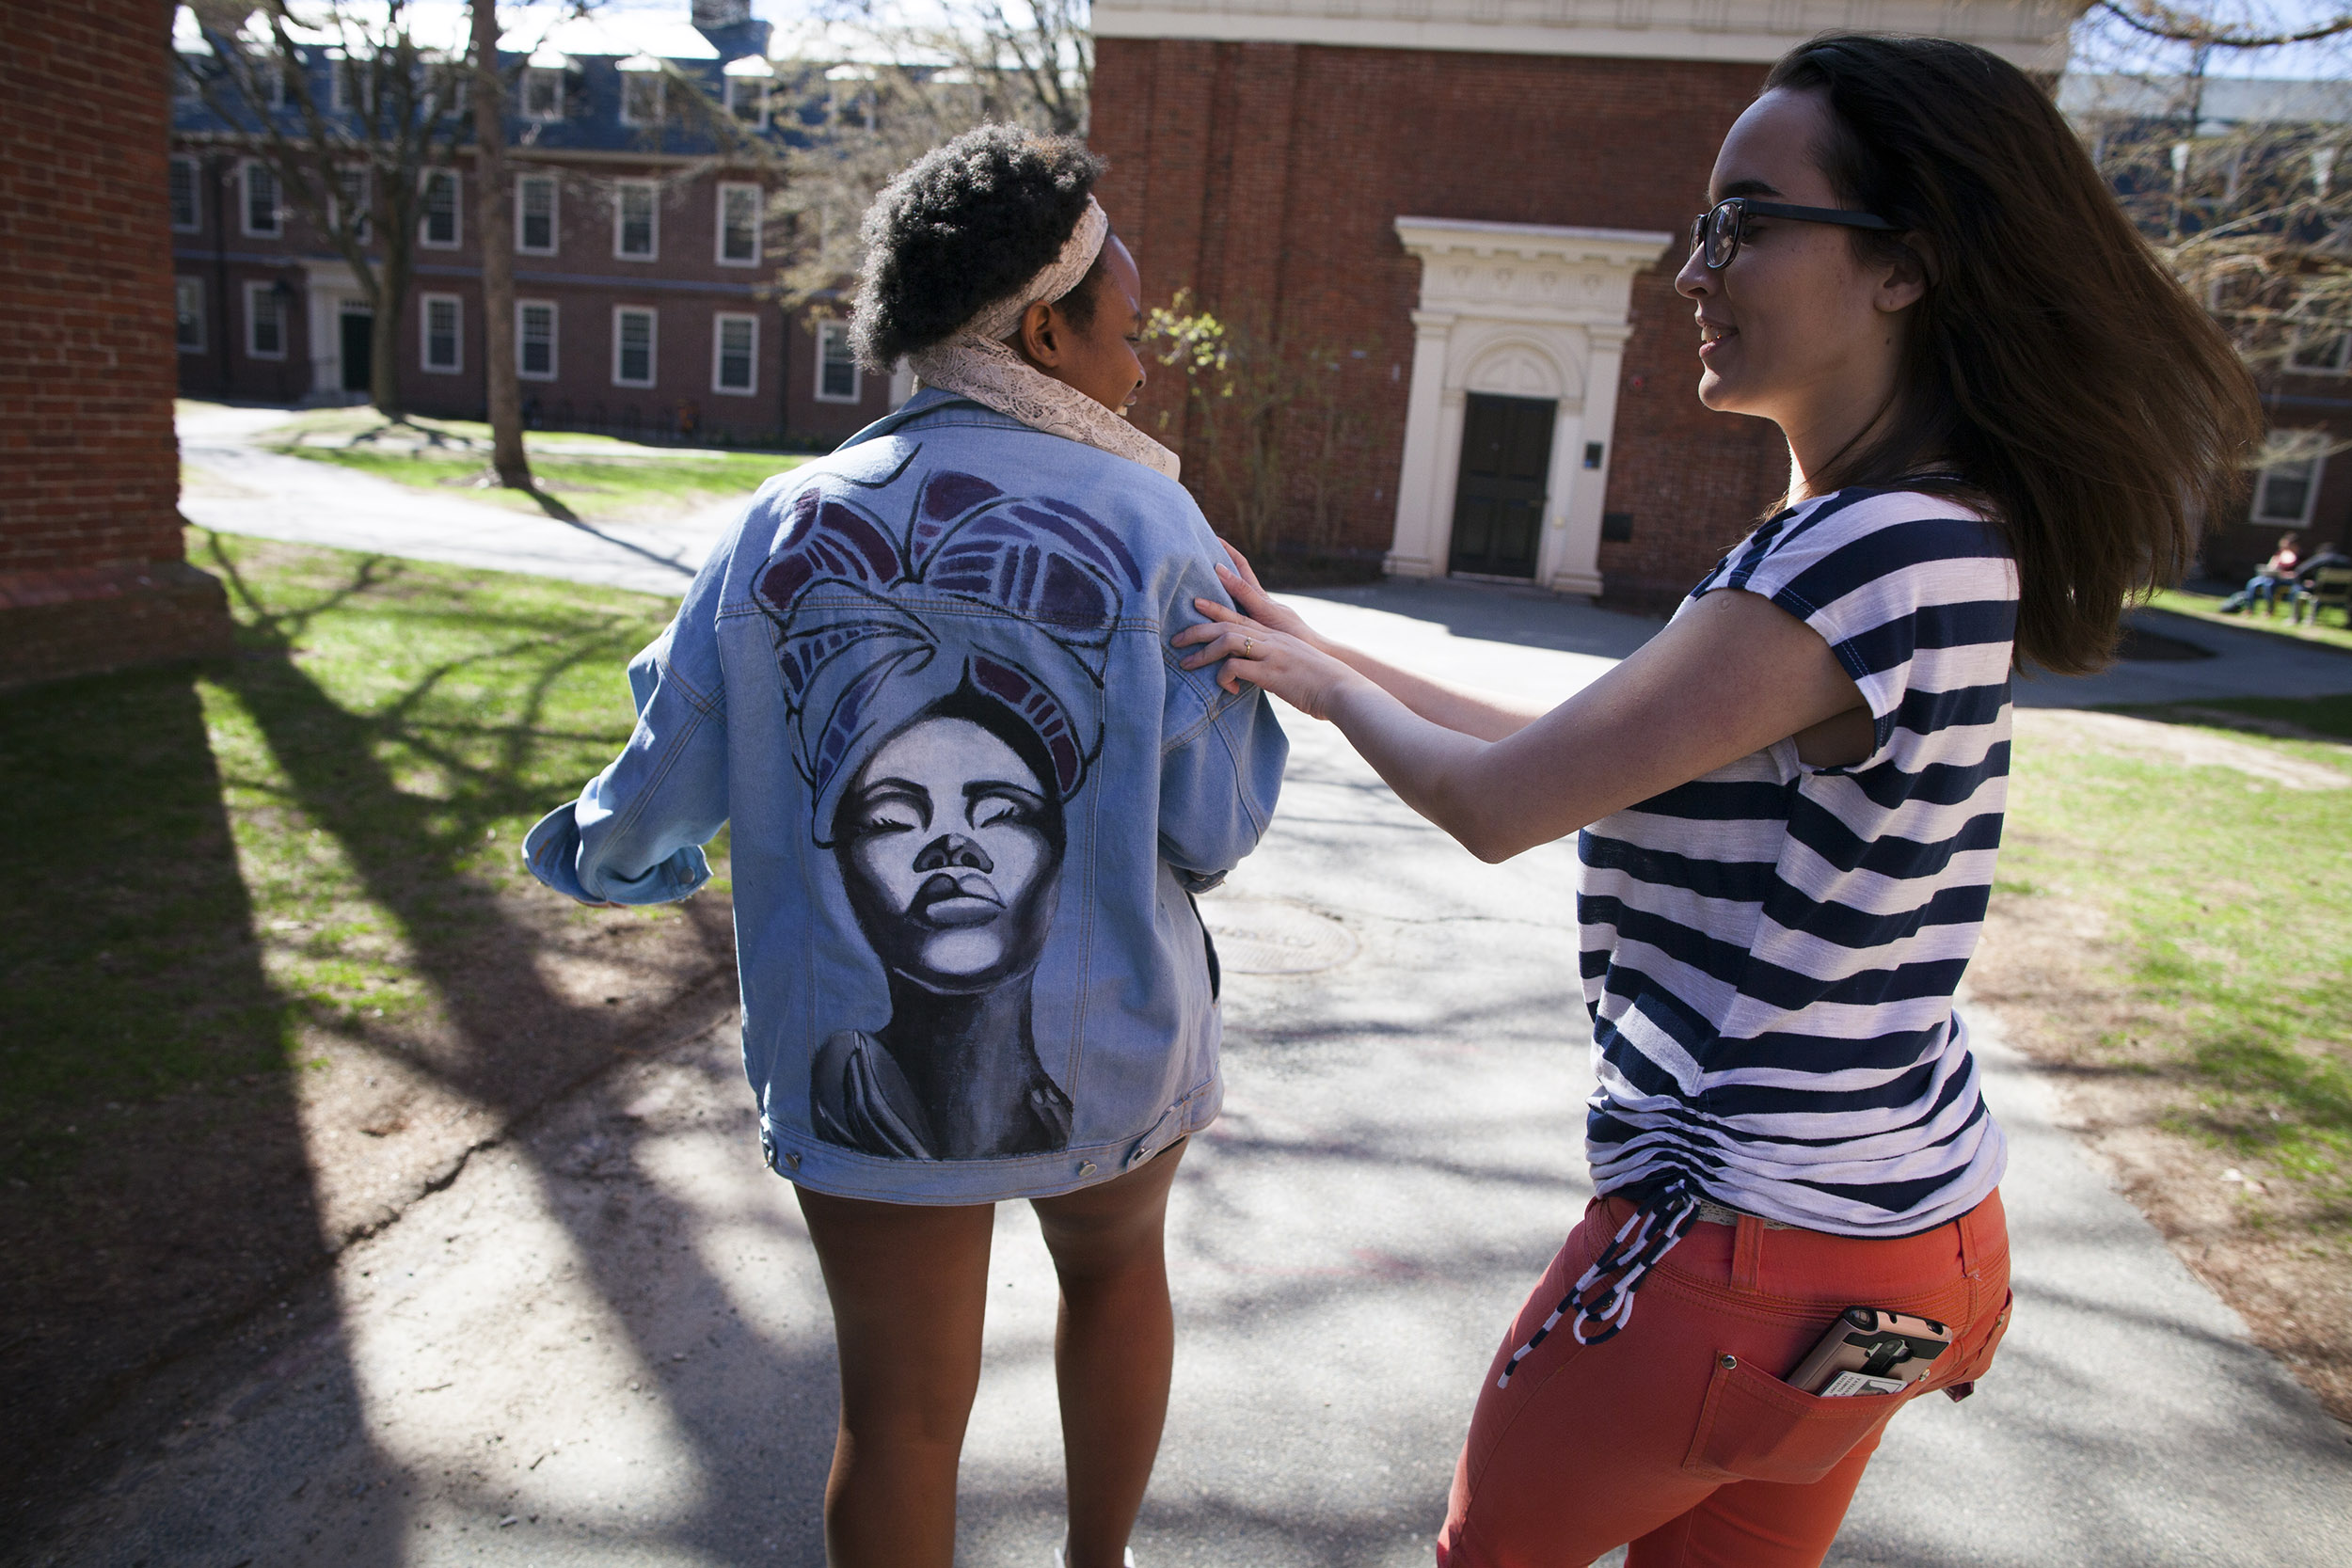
(2053, 365)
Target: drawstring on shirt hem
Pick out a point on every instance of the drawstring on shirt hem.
(1647, 1235)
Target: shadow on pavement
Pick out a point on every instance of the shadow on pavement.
(159, 1197)
(1494, 612)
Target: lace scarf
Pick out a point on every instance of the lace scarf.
(976, 362)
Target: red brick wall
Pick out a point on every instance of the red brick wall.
(88, 464)
(1267, 177)
(90, 482)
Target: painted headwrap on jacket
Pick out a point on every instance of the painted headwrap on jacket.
(1014, 597)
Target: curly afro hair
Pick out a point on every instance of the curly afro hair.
(961, 226)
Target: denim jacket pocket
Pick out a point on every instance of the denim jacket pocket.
(1755, 1427)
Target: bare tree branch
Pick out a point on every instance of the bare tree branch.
(2177, 25)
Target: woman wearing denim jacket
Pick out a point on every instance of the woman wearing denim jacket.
(927, 681)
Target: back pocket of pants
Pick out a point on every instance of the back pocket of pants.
(1755, 1427)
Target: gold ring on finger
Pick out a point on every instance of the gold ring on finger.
(1248, 649)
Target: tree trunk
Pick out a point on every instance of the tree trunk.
(495, 223)
(384, 345)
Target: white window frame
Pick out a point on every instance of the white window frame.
(543, 76)
(195, 194)
(653, 346)
(831, 331)
(555, 213)
(187, 302)
(652, 189)
(365, 193)
(245, 200)
(456, 333)
(719, 242)
(717, 352)
(761, 90)
(456, 210)
(253, 321)
(2339, 361)
(631, 79)
(522, 338)
(2318, 461)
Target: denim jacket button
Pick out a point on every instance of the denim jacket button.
(1085, 1167)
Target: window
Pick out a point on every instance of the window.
(2286, 490)
(2321, 355)
(534, 215)
(534, 340)
(633, 347)
(733, 354)
(186, 216)
(836, 366)
(188, 300)
(636, 227)
(543, 93)
(747, 98)
(351, 197)
(439, 227)
(442, 318)
(264, 321)
(347, 86)
(739, 226)
(262, 217)
(267, 74)
(640, 97)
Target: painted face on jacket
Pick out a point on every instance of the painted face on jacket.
(950, 850)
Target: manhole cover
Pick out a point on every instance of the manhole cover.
(1263, 936)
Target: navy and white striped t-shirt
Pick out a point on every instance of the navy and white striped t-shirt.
(1769, 952)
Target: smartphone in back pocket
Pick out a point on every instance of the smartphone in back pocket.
(1870, 1350)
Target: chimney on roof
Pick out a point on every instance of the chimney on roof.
(730, 27)
(225, 17)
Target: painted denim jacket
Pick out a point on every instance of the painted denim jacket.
(928, 680)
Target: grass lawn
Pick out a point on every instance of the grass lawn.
(597, 488)
(2204, 607)
(595, 478)
(219, 860)
(2227, 901)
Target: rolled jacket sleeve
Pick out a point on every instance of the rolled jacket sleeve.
(635, 833)
(1220, 772)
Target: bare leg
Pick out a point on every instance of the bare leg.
(909, 1284)
(1113, 1349)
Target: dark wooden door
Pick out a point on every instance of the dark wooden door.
(1499, 499)
(359, 347)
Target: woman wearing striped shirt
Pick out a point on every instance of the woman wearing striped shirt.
(2003, 418)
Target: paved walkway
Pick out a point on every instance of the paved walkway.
(242, 488)
(606, 1342)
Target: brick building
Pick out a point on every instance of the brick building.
(1476, 206)
(643, 295)
(92, 575)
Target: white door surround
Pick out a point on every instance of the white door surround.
(1526, 310)
(332, 290)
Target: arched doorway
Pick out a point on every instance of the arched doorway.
(1515, 321)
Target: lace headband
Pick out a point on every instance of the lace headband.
(1063, 273)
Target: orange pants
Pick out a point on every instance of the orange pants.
(1679, 1435)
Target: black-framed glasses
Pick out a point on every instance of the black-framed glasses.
(1719, 229)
